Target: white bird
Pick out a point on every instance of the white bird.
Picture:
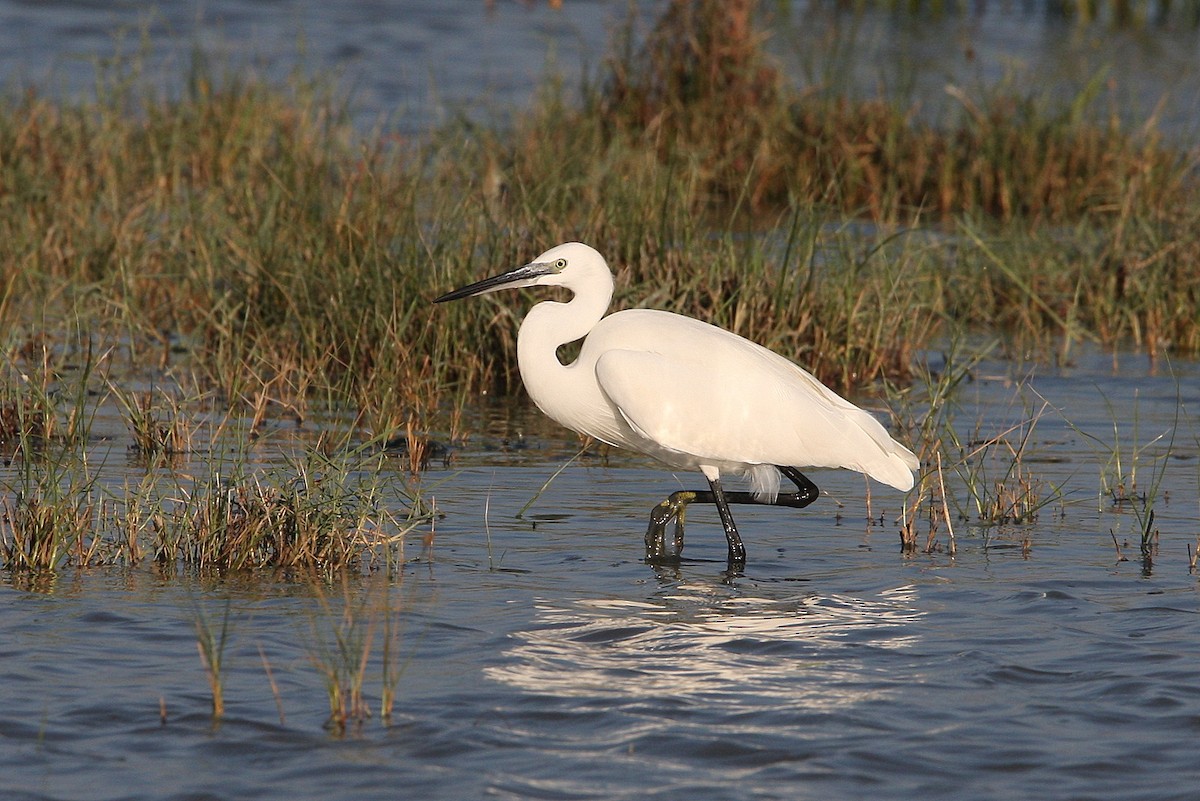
(687, 393)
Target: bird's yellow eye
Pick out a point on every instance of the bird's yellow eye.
(560, 265)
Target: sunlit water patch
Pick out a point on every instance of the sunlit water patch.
(693, 648)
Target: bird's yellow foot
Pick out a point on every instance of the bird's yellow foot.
(672, 508)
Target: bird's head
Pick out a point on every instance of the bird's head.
(570, 265)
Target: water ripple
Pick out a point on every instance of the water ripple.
(802, 650)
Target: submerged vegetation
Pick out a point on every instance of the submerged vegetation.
(239, 254)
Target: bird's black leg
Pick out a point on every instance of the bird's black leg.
(806, 491)
(674, 508)
(737, 551)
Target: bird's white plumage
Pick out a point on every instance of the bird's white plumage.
(684, 392)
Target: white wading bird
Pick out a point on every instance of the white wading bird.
(687, 393)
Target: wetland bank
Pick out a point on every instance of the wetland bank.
(264, 504)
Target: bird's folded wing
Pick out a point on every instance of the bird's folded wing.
(735, 407)
(704, 409)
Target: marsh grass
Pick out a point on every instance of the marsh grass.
(156, 421)
(352, 617)
(992, 488)
(1016, 495)
(343, 638)
(270, 674)
(248, 233)
(45, 531)
(245, 241)
(46, 384)
(701, 83)
(329, 505)
(924, 411)
(323, 514)
(979, 474)
(985, 473)
(393, 659)
(1119, 13)
(50, 507)
(1126, 456)
(211, 641)
(22, 422)
(57, 517)
(1119, 475)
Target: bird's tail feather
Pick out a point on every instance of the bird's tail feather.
(897, 471)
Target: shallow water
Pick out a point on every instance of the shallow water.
(407, 64)
(543, 659)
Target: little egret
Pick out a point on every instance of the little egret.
(687, 393)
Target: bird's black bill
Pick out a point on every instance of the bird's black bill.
(522, 276)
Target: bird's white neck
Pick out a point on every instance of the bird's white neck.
(548, 326)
